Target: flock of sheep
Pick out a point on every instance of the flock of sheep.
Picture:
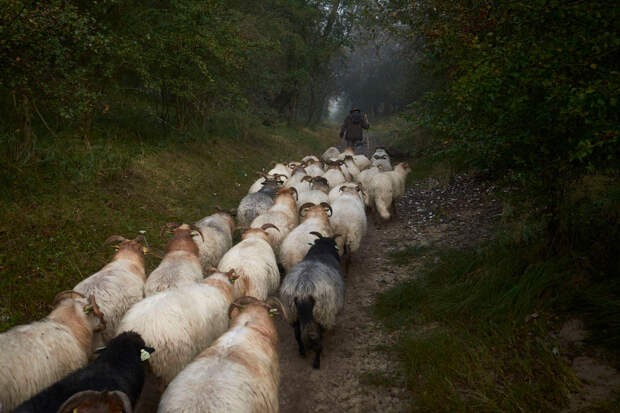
(203, 317)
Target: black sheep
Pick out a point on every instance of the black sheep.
(115, 377)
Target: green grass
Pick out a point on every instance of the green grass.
(405, 255)
(58, 208)
(473, 345)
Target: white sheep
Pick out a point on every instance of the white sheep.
(352, 168)
(36, 355)
(315, 218)
(385, 188)
(314, 168)
(381, 157)
(283, 214)
(299, 180)
(180, 266)
(117, 286)
(217, 231)
(364, 179)
(361, 161)
(181, 322)
(331, 153)
(254, 261)
(281, 169)
(334, 175)
(349, 220)
(238, 373)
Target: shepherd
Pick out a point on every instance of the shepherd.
(352, 129)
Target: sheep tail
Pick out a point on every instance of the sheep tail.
(305, 307)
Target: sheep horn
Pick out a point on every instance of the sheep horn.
(240, 302)
(211, 271)
(306, 205)
(326, 205)
(232, 275)
(306, 178)
(336, 236)
(98, 399)
(296, 193)
(277, 302)
(167, 227)
(195, 228)
(317, 234)
(114, 238)
(267, 226)
(61, 296)
(97, 312)
(342, 187)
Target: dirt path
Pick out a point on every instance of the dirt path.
(468, 211)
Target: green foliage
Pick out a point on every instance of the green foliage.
(530, 89)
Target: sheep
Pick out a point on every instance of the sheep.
(180, 266)
(308, 158)
(255, 263)
(317, 193)
(336, 191)
(252, 205)
(314, 168)
(280, 168)
(296, 244)
(118, 285)
(361, 161)
(181, 322)
(313, 294)
(299, 180)
(351, 167)
(238, 373)
(398, 176)
(118, 369)
(217, 230)
(38, 354)
(381, 195)
(258, 184)
(349, 220)
(381, 157)
(334, 175)
(330, 153)
(283, 214)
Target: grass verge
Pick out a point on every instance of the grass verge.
(58, 208)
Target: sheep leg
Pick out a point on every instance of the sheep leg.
(302, 351)
(317, 357)
(394, 213)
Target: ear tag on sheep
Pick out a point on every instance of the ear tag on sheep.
(145, 250)
(116, 247)
(88, 309)
(273, 312)
(144, 355)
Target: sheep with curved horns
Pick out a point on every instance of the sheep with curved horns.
(259, 183)
(254, 204)
(313, 294)
(319, 188)
(181, 264)
(217, 230)
(297, 243)
(334, 175)
(118, 285)
(349, 220)
(114, 380)
(299, 180)
(308, 158)
(254, 261)
(239, 372)
(336, 191)
(182, 321)
(314, 168)
(281, 169)
(283, 214)
(38, 354)
(330, 153)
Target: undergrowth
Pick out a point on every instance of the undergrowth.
(58, 206)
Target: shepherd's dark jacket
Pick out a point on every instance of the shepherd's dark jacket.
(352, 132)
